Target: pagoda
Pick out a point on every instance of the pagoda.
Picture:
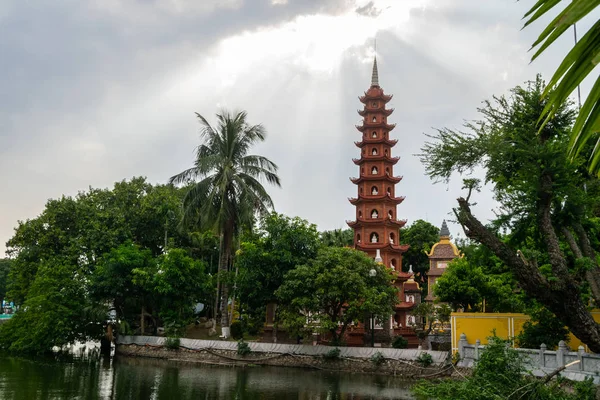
(376, 227)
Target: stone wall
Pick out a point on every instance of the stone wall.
(542, 362)
(399, 362)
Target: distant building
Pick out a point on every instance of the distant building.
(440, 256)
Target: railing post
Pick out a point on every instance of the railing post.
(560, 354)
(543, 355)
(477, 344)
(461, 346)
(580, 354)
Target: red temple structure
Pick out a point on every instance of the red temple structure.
(376, 228)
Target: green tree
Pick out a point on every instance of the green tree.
(55, 313)
(543, 198)
(575, 67)
(113, 283)
(420, 236)
(467, 285)
(338, 238)
(429, 316)
(5, 265)
(542, 328)
(177, 283)
(279, 245)
(335, 289)
(229, 192)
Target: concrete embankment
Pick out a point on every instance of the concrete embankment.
(398, 362)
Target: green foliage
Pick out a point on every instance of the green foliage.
(575, 67)
(543, 327)
(338, 238)
(398, 342)
(280, 244)
(243, 349)
(172, 343)
(54, 313)
(421, 236)
(229, 192)
(332, 355)
(314, 295)
(466, 285)
(377, 359)
(5, 266)
(237, 330)
(424, 360)
(499, 374)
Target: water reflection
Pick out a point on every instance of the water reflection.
(121, 378)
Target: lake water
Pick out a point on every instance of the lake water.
(93, 377)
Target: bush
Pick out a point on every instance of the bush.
(332, 355)
(243, 349)
(237, 330)
(399, 342)
(377, 359)
(500, 374)
(425, 359)
(172, 343)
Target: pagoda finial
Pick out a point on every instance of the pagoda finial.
(375, 75)
(444, 232)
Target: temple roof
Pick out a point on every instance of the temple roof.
(389, 142)
(380, 157)
(392, 248)
(378, 177)
(385, 198)
(385, 111)
(444, 249)
(376, 221)
(370, 125)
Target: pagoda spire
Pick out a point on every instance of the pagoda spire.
(375, 75)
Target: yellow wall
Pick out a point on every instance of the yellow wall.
(507, 325)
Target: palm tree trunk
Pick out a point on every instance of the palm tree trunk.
(224, 267)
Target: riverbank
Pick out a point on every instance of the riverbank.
(397, 362)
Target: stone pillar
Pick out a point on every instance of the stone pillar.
(560, 354)
(580, 354)
(543, 355)
(477, 344)
(461, 346)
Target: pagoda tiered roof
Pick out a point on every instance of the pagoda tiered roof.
(386, 198)
(389, 142)
(372, 125)
(392, 160)
(376, 221)
(393, 248)
(373, 95)
(386, 111)
(378, 177)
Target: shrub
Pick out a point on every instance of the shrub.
(172, 343)
(332, 355)
(399, 342)
(425, 359)
(500, 374)
(243, 349)
(377, 359)
(237, 330)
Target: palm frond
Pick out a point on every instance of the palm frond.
(573, 70)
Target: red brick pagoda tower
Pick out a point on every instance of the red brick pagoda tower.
(376, 226)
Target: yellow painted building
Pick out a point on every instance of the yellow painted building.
(507, 325)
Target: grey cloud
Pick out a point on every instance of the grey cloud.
(368, 10)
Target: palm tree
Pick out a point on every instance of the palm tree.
(225, 191)
(576, 66)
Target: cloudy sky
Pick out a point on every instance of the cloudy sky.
(96, 91)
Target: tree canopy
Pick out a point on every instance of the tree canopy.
(225, 190)
(420, 236)
(545, 201)
(335, 289)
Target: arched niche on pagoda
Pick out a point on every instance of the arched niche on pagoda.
(374, 213)
(374, 190)
(374, 237)
(374, 170)
(392, 238)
